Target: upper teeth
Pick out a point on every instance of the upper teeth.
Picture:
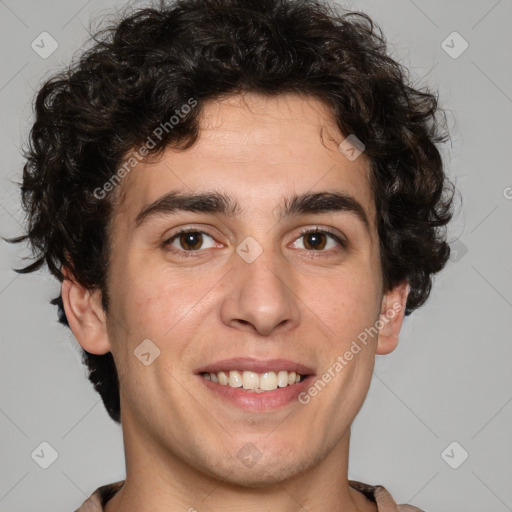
(267, 381)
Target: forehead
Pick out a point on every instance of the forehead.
(257, 149)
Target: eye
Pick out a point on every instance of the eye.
(188, 241)
(317, 239)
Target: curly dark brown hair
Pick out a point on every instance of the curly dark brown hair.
(139, 70)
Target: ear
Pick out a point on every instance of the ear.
(85, 315)
(392, 316)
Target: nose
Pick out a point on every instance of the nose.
(261, 297)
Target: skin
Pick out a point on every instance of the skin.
(181, 440)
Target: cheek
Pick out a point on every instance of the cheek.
(345, 304)
(168, 310)
(153, 299)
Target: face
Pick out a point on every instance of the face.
(244, 290)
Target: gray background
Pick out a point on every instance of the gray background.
(449, 380)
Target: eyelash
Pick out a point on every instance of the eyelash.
(335, 237)
(194, 254)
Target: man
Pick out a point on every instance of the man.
(242, 200)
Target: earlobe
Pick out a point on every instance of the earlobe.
(85, 315)
(391, 318)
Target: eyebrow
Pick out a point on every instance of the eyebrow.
(218, 203)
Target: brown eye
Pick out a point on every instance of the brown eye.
(321, 240)
(191, 241)
(315, 241)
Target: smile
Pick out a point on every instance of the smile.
(252, 381)
(256, 385)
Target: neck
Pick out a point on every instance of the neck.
(158, 481)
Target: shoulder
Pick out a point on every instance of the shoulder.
(95, 502)
(383, 499)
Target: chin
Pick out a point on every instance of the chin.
(265, 472)
(262, 477)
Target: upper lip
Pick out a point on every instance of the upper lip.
(255, 365)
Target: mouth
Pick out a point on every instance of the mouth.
(254, 382)
(256, 385)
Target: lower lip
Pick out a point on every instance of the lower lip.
(259, 402)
